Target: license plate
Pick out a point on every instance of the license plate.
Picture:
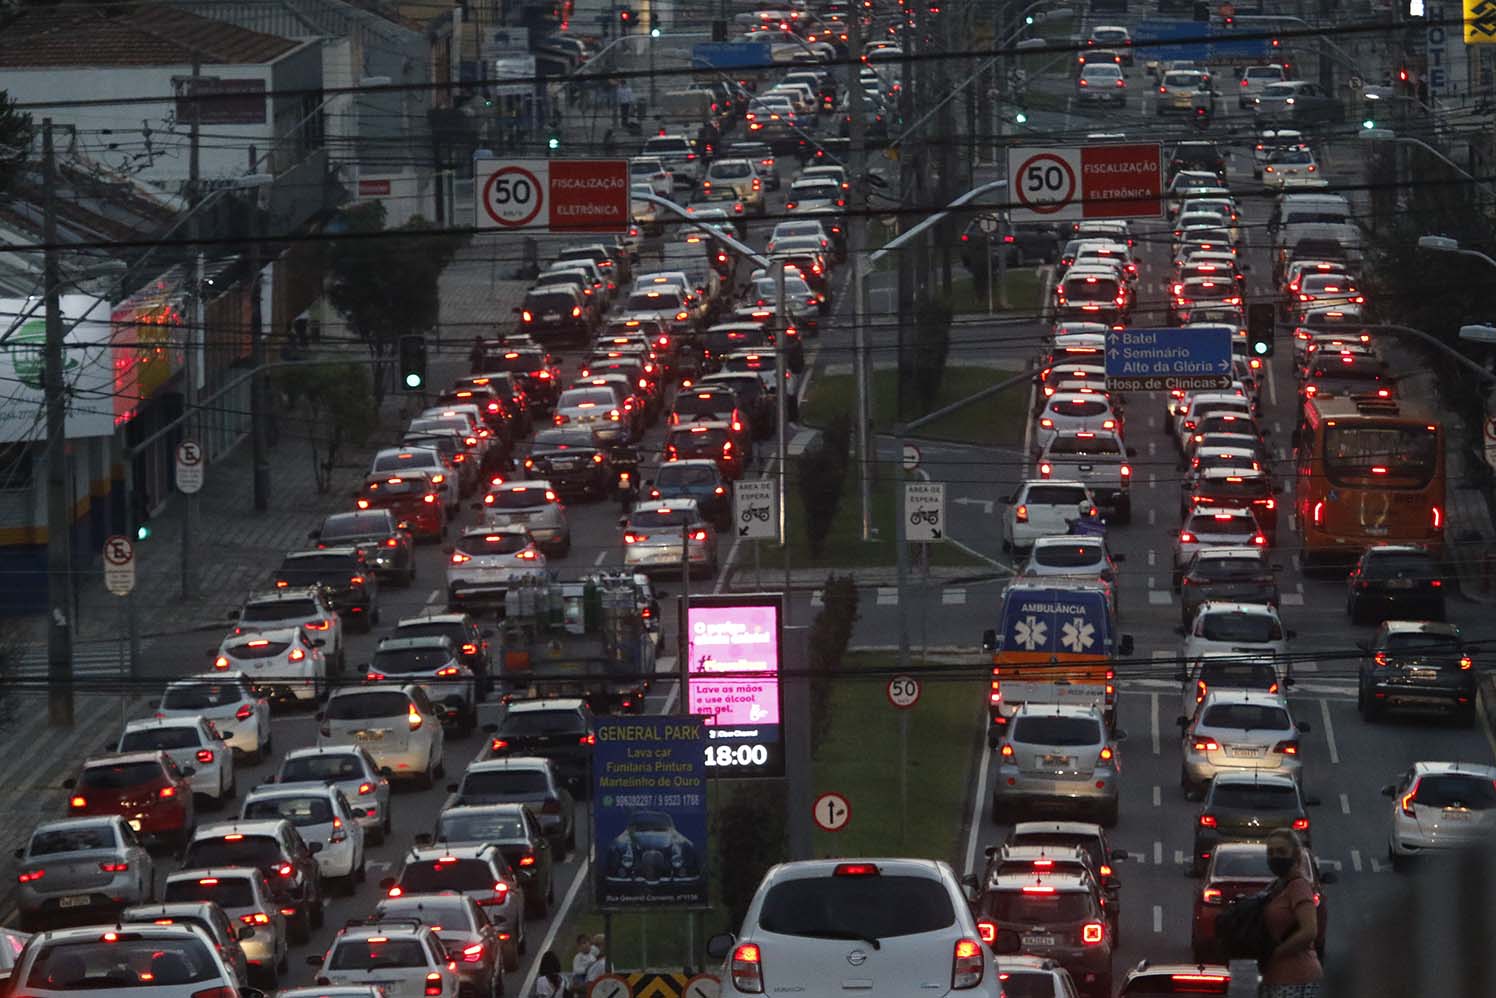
(1055, 760)
(1038, 940)
(1376, 531)
(1244, 753)
(1086, 467)
(551, 316)
(1423, 675)
(563, 465)
(1454, 815)
(74, 901)
(369, 736)
(1401, 583)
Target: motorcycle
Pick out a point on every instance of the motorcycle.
(626, 477)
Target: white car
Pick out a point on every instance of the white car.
(404, 960)
(245, 897)
(1269, 140)
(1438, 806)
(652, 171)
(1192, 408)
(432, 663)
(285, 663)
(394, 460)
(397, 724)
(193, 743)
(913, 932)
(655, 531)
(533, 504)
(230, 701)
(1040, 509)
(1084, 410)
(307, 608)
(322, 814)
(1254, 79)
(1283, 165)
(1101, 83)
(485, 561)
(350, 769)
(1071, 558)
(1239, 731)
(1214, 528)
(165, 961)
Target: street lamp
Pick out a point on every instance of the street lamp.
(1446, 244)
(1479, 333)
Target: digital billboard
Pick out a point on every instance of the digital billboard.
(732, 679)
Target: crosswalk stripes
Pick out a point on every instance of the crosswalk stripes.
(889, 596)
(953, 597)
(94, 663)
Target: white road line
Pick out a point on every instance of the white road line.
(1152, 517)
(977, 806)
(1152, 558)
(1158, 850)
(557, 920)
(1345, 804)
(1291, 599)
(669, 704)
(1272, 387)
(1152, 448)
(1152, 480)
(1152, 582)
(1158, 801)
(1296, 566)
(602, 556)
(888, 596)
(1324, 713)
(1356, 860)
(1153, 721)
(953, 597)
(433, 596)
(1178, 857)
(1158, 918)
(1160, 597)
(818, 598)
(1376, 866)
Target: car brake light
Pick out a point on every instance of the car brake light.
(433, 985)
(78, 802)
(166, 793)
(296, 655)
(1092, 933)
(1289, 747)
(1207, 821)
(967, 964)
(1045, 469)
(244, 712)
(414, 719)
(33, 876)
(746, 968)
(1301, 824)
(253, 918)
(205, 755)
(1406, 801)
(1126, 471)
(987, 929)
(1438, 516)
(1206, 745)
(1006, 751)
(1185, 537)
(1211, 895)
(588, 739)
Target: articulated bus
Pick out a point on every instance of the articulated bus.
(1369, 471)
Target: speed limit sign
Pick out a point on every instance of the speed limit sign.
(1046, 183)
(903, 692)
(552, 195)
(1099, 180)
(513, 196)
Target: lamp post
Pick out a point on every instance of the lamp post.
(1388, 135)
(1446, 244)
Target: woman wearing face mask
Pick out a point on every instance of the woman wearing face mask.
(1293, 969)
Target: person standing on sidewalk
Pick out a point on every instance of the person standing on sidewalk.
(625, 102)
(1293, 969)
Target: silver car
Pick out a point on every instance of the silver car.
(1239, 731)
(1056, 756)
(203, 915)
(432, 663)
(485, 561)
(80, 870)
(352, 770)
(654, 533)
(597, 406)
(1214, 528)
(179, 960)
(245, 897)
(533, 504)
(1074, 557)
(231, 702)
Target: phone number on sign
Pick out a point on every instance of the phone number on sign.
(657, 800)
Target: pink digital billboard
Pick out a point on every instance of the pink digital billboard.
(732, 672)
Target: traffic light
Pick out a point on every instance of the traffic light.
(1262, 321)
(1368, 123)
(654, 25)
(625, 19)
(1021, 118)
(412, 363)
(553, 141)
(140, 516)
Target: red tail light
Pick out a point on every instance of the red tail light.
(255, 918)
(588, 739)
(1406, 801)
(1211, 895)
(1092, 933)
(1301, 824)
(166, 793)
(33, 876)
(968, 961)
(365, 789)
(1289, 747)
(1207, 821)
(285, 870)
(433, 985)
(987, 930)
(244, 712)
(1206, 745)
(746, 968)
(205, 755)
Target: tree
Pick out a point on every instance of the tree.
(749, 833)
(385, 286)
(16, 130)
(334, 401)
(826, 645)
(821, 473)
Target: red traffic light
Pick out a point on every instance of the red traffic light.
(1402, 75)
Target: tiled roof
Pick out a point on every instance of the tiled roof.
(145, 36)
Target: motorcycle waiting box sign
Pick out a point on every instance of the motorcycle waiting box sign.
(649, 822)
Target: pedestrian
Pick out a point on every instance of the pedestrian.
(477, 356)
(582, 960)
(600, 965)
(1292, 970)
(550, 983)
(625, 102)
(610, 143)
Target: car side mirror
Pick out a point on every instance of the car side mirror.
(354, 495)
(314, 847)
(994, 736)
(623, 521)
(451, 788)
(1120, 855)
(1120, 559)
(1195, 796)
(189, 770)
(387, 883)
(386, 772)
(515, 310)
(1364, 646)
(422, 839)
(232, 615)
(970, 882)
(1328, 877)
(1304, 727)
(989, 640)
(718, 946)
(224, 736)
(319, 642)
(320, 715)
(1126, 646)
(245, 931)
(153, 704)
(1389, 790)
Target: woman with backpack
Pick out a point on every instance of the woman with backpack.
(550, 983)
(1292, 968)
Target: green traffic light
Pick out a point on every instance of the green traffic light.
(143, 532)
(1260, 348)
(654, 32)
(1368, 123)
(1029, 20)
(554, 142)
(1021, 118)
(413, 380)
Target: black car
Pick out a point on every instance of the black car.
(572, 459)
(1235, 575)
(519, 836)
(343, 573)
(1231, 671)
(1197, 156)
(1022, 243)
(466, 636)
(1244, 807)
(276, 849)
(557, 729)
(697, 479)
(753, 399)
(499, 412)
(725, 337)
(534, 370)
(1416, 666)
(555, 314)
(375, 532)
(1395, 580)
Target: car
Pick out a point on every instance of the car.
(80, 870)
(307, 608)
(466, 934)
(1101, 83)
(651, 853)
(230, 701)
(413, 498)
(400, 958)
(720, 441)
(150, 791)
(516, 830)
(1005, 860)
(1118, 38)
(762, 156)
(1401, 580)
(679, 156)
(1269, 140)
(431, 663)
(558, 729)
(1153, 980)
(1238, 869)
(699, 479)
(520, 779)
(1239, 730)
(277, 850)
(593, 297)
(533, 504)
(1099, 460)
(1056, 756)
(1074, 557)
(739, 177)
(669, 535)
(387, 549)
(324, 819)
(1086, 409)
(1198, 155)
(1418, 666)
(177, 961)
(1254, 80)
(1042, 508)
(285, 664)
(904, 922)
(1231, 574)
(192, 743)
(597, 407)
(571, 460)
(205, 916)
(470, 640)
(478, 871)
(1246, 806)
(1177, 89)
(395, 722)
(1440, 807)
(556, 314)
(439, 472)
(1295, 103)
(1056, 916)
(651, 170)
(1282, 165)
(1236, 628)
(1229, 670)
(486, 561)
(1204, 527)
(350, 769)
(532, 369)
(244, 895)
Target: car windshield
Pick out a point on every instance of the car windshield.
(228, 892)
(1246, 717)
(504, 543)
(121, 776)
(376, 953)
(354, 525)
(128, 960)
(1237, 674)
(731, 170)
(1222, 525)
(1240, 626)
(480, 826)
(1054, 495)
(856, 907)
(1077, 407)
(517, 497)
(676, 475)
(1456, 790)
(281, 609)
(256, 648)
(1240, 863)
(1028, 984)
(159, 738)
(406, 459)
(319, 768)
(505, 783)
(1182, 79)
(585, 398)
(446, 874)
(653, 301)
(1279, 90)
(542, 722)
(1228, 568)
(316, 568)
(1075, 555)
(657, 519)
(367, 706)
(450, 913)
(1401, 565)
(1254, 796)
(1292, 155)
(299, 811)
(233, 849)
(1416, 643)
(1090, 288)
(1034, 906)
(200, 696)
(76, 839)
(564, 439)
(401, 661)
(1040, 730)
(1387, 455)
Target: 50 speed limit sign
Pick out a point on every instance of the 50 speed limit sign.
(552, 195)
(513, 196)
(903, 692)
(1110, 180)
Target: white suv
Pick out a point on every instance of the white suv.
(405, 960)
(397, 724)
(1041, 509)
(285, 663)
(324, 817)
(230, 701)
(903, 926)
(1245, 629)
(1059, 757)
(195, 745)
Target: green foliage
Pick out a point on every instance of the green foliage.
(16, 130)
(748, 830)
(335, 401)
(827, 644)
(932, 344)
(821, 474)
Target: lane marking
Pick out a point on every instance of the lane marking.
(888, 596)
(1345, 804)
(1158, 850)
(1178, 857)
(1152, 517)
(1152, 583)
(1158, 801)
(953, 597)
(818, 597)
(433, 596)
(1376, 866)
(1160, 597)
(602, 556)
(1291, 599)
(1158, 918)
(1356, 860)
(1153, 720)
(1152, 558)
(976, 806)
(1324, 712)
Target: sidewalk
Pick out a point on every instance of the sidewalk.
(234, 548)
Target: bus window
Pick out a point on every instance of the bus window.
(1405, 456)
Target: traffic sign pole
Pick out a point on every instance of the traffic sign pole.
(903, 693)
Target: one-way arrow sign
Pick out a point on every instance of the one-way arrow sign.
(755, 510)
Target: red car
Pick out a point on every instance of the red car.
(147, 789)
(1238, 868)
(412, 497)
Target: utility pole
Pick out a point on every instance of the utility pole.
(259, 409)
(59, 518)
(856, 249)
(196, 322)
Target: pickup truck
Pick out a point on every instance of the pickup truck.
(1097, 458)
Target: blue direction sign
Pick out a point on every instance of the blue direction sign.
(732, 55)
(1193, 358)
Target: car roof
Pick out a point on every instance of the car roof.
(298, 788)
(439, 850)
(1062, 882)
(247, 826)
(1232, 472)
(435, 618)
(525, 762)
(66, 823)
(1377, 549)
(1056, 710)
(392, 687)
(1425, 768)
(1255, 698)
(549, 703)
(1253, 553)
(90, 933)
(313, 750)
(1253, 778)
(218, 872)
(1057, 827)
(809, 869)
(1069, 540)
(1420, 627)
(124, 758)
(149, 723)
(393, 927)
